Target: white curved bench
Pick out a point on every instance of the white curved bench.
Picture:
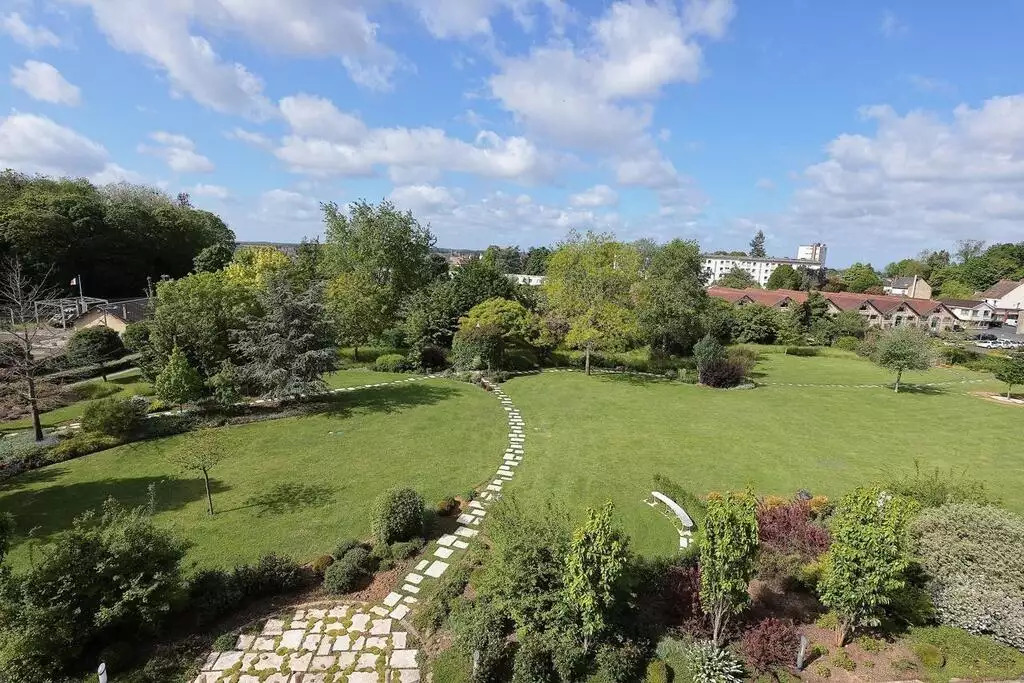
(686, 530)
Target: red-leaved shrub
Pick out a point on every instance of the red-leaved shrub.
(790, 529)
(682, 592)
(724, 374)
(770, 644)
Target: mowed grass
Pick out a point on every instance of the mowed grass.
(592, 439)
(128, 383)
(293, 486)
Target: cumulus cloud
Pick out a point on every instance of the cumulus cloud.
(470, 18)
(44, 82)
(37, 144)
(179, 152)
(249, 137)
(326, 141)
(598, 195)
(206, 190)
(423, 198)
(920, 178)
(32, 37)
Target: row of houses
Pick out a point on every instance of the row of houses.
(877, 310)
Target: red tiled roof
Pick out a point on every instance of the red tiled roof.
(845, 301)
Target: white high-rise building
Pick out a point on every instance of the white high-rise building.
(810, 256)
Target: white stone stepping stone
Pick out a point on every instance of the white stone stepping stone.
(342, 644)
(362, 677)
(497, 482)
(379, 611)
(316, 614)
(226, 660)
(403, 659)
(399, 612)
(311, 643)
(380, 627)
(269, 660)
(414, 578)
(379, 642)
(322, 663)
(292, 639)
(300, 663)
(367, 660)
(346, 659)
(244, 642)
(464, 519)
(466, 532)
(358, 644)
(264, 643)
(325, 646)
(408, 676)
(437, 568)
(398, 640)
(461, 545)
(409, 588)
(475, 504)
(492, 487)
(478, 512)
(360, 621)
(422, 565)
(504, 468)
(211, 659)
(411, 600)
(447, 539)
(392, 599)
(443, 553)
(273, 627)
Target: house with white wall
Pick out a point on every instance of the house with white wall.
(1007, 298)
(973, 314)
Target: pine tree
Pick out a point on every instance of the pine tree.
(179, 382)
(757, 245)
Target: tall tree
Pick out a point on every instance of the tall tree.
(593, 566)
(504, 259)
(907, 267)
(728, 551)
(201, 451)
(757, 245)
(178, 382)
(968, 249)
(213, 257)
(671, 297)
(903, 348)
(1011, 371)
(20, 357)
(536, 261)
(289, 345)
(784, 277)
(866, 564)
(860, 277)
(590, 279)
(95, 346)
(737, 278)
(359, 308)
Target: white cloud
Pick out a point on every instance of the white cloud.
(206, 190)
(32, 37)
(464, 19)
(920, 178)
(422, 198)
(598, 195)
(326, 141)
(179, 152)
(44, 82)
(36, 144)
(891, 25)
(287, 207)
(250, 138)
(765, 184)
(926, 84)
(596, 95)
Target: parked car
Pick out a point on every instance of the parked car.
(985, 336)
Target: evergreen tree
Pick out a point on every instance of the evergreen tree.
(288, 346)
(179, 382)
(95, 346)
(757, 245)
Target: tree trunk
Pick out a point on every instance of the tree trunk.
(209, 496)
(842, 630)
(33, 404)
(718, 626)
(355, 354)
(587, 364)
(899, 376)
(103, 371)
(1008, 390)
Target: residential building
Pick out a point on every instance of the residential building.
(878, 310)
(521, 279)
(116, 315)
(972, 313)
(760, 269)
(913, 287)
(1007, 298)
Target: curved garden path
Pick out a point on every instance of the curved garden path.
(341, 642)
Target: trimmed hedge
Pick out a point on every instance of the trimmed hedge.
(804, 351)
(391, 362)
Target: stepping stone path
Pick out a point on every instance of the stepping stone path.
(346, 643)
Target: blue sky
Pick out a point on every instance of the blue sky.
(879, 128)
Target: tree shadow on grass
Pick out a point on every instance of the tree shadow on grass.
(922, 389)
(633, 380)
(288, 497)
(391, 399)
(52, 509)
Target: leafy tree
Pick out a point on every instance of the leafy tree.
(95, 346)
(707, 352)
(381, 244)
(179, 382)
(430, 315)
(866, 564)
(844, 324)
(20, 362)
(757, 245)
(287, 347)
(955, 289)
(903, 348)
(200, 451)
(536, 261)
(475, 283)
(112, 578)
(6, 534)
(252, 267)
(860, 277)
(518, 326)
(590, 278)
(737, 278)
(810, 313)
(1011, 370)
(504, 259)
(359, 308)
(728, 552)
(756, 324)
(594, 564)
(907, 267)
(968, 249)
(784, 277)
(308, 263)
(671, 297)
(213, 258)
(136, 340)
(812, 279)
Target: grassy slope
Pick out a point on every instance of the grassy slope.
(129, 383)
(288, 485)
(604, 437)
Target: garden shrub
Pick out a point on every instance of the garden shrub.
(974, 555)
(682, 595)
(225, 641)
(428, 357)
(723, 374)
(213, 593)
(957, 355)
(403, 550)
(447, 506)
(20, 452)
(480, 627)
(434, 612)
(779, 566)
(847, 343)
(939, 488)
(321, 563)
(657, 672)
(769, 644)
(843, 660)
(709, 664)
(818, 651)
(820, 506)
(803, 351)
(532, 662)
(117, 417)
(822, 671)
(397, 515)
(271, 575)
(380, 558)
(707, 352)
(929, 655)
(622, 661)
(347, 572)
(390, 362)
(343, 547)
(79, 444)
(789, 528)
(869, 644)
(477, 348)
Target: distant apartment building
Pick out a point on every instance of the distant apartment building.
(522, 279)
(716, 266)
(1007, 298)
(913, 287)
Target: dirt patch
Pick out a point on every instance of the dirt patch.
(1014, 400)
(872, 659)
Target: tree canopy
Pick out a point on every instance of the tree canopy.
(784, 277)
(737, 278)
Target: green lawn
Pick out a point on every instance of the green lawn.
(293, 486)
(128, 383)
(591, 439)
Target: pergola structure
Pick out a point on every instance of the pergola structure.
(65, 310)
